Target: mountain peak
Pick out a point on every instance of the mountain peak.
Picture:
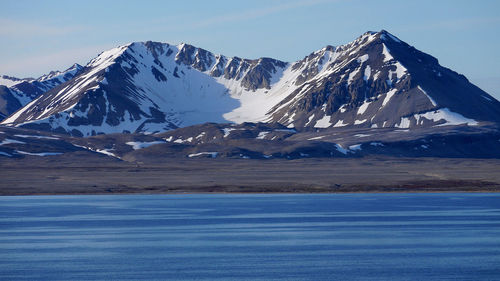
(384, 35)
(75, 66)
(61, 75)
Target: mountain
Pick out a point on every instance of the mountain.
(16, 93)
(376, 81)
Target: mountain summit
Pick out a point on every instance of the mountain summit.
(376, 81)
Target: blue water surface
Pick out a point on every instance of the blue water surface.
(438, 236)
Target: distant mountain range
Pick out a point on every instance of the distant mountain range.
(373, 86)
(15, 93)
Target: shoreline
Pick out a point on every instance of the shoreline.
(249, 191)
(225, 176)
(255, 193)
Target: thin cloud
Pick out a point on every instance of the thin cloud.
(253, 14)
(170, 24)
(454, 24)
(39, 64)
(16, 28)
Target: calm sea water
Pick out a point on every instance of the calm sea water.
(251, 237)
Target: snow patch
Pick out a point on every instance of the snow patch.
(340, 123)
(317, 138)
(227, 131)
(39, 153)
(211, 154)
(352, 74)
(400, 71)
(36, 137)
(323, 122)
(386, 53)
(388, 96)
(179, 140)
(363, 58)
(262, 135)
(355, 147)
(450, 118)
(341, 149)
(9, 141)
(404, 123)
(309, 120)
(140, 145)
(102, 151)
(368, 73)
(363, 107)
(106, 152)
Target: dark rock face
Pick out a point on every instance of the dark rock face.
(8, 102)
(234, 68)
(198, 58)
(218, 68)
(158, 75)
(254, 74)
(309, 65)
(260, 73)
(157, 50)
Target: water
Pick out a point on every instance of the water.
(251, 237)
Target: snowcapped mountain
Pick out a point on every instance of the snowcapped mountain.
(376, 81)
(379, 81)
(16, 93)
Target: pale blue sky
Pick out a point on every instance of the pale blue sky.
(39, 36)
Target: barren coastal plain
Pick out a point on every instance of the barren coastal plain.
(61, 175)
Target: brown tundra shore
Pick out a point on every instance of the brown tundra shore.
(60, 175)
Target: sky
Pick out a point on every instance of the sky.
(40, 36)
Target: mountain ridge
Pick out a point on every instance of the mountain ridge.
(377, 80)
